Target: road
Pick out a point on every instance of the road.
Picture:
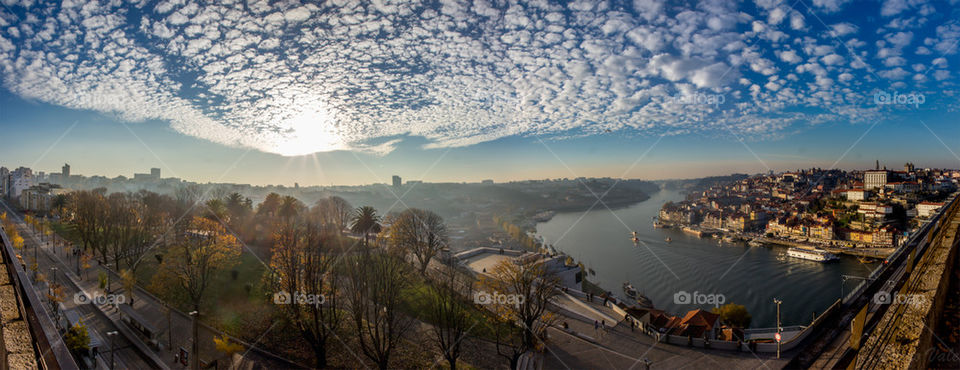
(126, 356)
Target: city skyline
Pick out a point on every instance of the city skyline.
(508, 93)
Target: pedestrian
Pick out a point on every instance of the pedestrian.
(631, 325)
(596, 325)
(603, 324)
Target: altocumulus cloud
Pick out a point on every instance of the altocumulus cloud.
(295, 78)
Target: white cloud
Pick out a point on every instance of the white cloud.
(843, 29)
(789, 56)
(830, 5)
(893, 7)
(797, 22)
(293, 79)
(776, 16)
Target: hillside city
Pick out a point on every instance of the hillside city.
(875, 208)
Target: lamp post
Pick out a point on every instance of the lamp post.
(779, 329)
(112, 335)
(195, 358)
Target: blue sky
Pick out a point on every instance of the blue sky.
(353, 92)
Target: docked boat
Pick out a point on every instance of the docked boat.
(659, 225)
(818, 255)
(866, 260)
(629, 290)
(755, 243)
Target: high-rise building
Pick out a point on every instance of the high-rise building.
(65, 171)
(396, 181)
(155, 172)
(20, 180)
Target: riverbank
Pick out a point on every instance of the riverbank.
(857, 252)
(765, 241)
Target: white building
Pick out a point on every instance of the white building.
(20, 179)
(856, 194)
(927, 209)
(875, 179)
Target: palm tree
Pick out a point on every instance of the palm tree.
(366, 221)
(290, 207)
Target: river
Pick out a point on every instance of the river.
(751, 276)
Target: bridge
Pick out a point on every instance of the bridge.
(882, 323)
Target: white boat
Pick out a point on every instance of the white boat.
(818, 255)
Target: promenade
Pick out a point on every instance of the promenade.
(617, 346)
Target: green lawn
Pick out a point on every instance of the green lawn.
(419, 297)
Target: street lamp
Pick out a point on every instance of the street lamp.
(195, 359)
(112, 335)
(779, 329)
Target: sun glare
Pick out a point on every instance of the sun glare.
(308, 132)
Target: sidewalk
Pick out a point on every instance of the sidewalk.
(619, 347)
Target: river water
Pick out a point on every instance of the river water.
(751, 276)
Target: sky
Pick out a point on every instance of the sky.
(349, 92)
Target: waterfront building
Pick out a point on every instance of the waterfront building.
(927, 209)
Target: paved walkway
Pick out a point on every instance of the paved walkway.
(619, 347)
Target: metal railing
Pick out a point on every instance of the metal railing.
(52, 352)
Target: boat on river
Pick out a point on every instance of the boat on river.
(818, 255)
(629, 290)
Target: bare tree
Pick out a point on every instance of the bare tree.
(420, 232)
(301, 265)
(342, 212)
(374, 290)
(449, 312)
(527, 286)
